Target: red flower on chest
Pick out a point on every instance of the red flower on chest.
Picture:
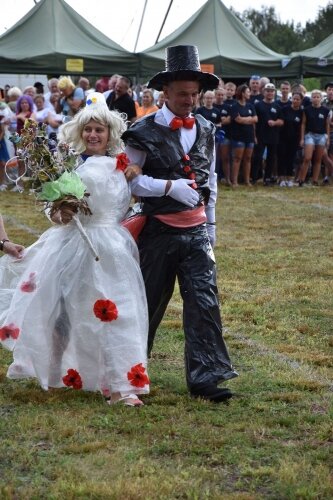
(122, 161)
(105, 310)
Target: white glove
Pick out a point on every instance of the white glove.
(211, 230)
(181, 191)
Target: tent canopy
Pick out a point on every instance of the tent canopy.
(52, 38)
(223, 41)
(317, 61)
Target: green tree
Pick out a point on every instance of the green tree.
(266, 25)
(316, 31)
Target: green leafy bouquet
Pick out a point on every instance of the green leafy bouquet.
(49, 171)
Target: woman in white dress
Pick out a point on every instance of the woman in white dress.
(70, 320)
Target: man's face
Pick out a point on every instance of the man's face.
(121, 88)
(54, 87)
(181, 96)
(269, 95)
(329, 92)
(254, 86)
(285, 89)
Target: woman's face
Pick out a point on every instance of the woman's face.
(95, 137)
(208, 100)
(147, 99)
(246, 93)
(24, 106)
(296, 101)
(39, 103)
(66, 92)
(316, 99)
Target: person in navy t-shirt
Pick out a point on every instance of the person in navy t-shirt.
(243, 119)
(270, 120)
(315, 135)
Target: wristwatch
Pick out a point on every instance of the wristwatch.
(2, 242)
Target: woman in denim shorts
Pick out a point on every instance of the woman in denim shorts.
(314, 136)
(243, 119)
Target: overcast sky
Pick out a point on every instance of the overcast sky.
(120, 20)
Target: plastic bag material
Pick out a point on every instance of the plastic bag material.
(135, 221)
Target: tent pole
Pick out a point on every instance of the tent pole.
(165, 17)
(139, 30)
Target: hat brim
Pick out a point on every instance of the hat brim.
(208, 81)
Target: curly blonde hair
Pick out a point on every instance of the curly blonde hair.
(66, 82)
(71, 132)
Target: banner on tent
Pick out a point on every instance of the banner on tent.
(207, 68)
(75, 65)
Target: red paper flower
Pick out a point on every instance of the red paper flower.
(187, 169)
(191, 176)
(9, 332)
(137, 376)
(30, 285)
(105, 310)
(122, 161)
(72, 379)
(186, 158)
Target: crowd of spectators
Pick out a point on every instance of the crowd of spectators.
(277, 136)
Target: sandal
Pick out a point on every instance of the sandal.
(128, 400)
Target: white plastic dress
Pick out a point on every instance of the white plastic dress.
(72, 321)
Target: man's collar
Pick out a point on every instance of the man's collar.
(168, 114)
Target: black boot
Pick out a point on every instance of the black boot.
(211, 393)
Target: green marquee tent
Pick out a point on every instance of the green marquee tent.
(317, 61)
(54, 39)
(223, 41)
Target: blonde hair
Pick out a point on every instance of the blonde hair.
(71, 132)
(65, 82)
(315, 92)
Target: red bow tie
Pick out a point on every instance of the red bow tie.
(177, 122)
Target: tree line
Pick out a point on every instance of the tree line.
(287, 37)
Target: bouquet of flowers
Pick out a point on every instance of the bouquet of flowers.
(49, 172)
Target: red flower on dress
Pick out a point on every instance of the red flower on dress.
(30, 285)
(9, 332)
(72, 379)
(137, 376)
(105, 310)
(122, 161)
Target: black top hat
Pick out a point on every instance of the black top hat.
(182, 63)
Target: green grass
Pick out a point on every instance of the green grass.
(274, 439)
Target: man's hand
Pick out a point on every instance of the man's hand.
(132, 171)
(13, 249)
(181, 190)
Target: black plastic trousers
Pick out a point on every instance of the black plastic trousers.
(168, 253)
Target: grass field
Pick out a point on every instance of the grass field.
(273, 441)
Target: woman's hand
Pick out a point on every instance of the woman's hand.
(132, 171)
(63, 216)
(63, 211)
